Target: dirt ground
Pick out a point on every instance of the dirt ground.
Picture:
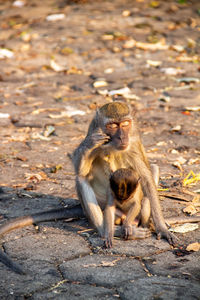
(59, 61)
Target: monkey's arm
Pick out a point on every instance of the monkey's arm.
(109, 221)
(89, 203)
(83, 158)
(150, 191)
(84, 155)
(130, 217)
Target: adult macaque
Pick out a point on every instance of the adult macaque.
(113, 142)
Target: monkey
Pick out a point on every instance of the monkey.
(112, 142)
(124, 204)
(127, 206)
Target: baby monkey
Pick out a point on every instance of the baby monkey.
(127, 206)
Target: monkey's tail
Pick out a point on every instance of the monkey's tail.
(56, 214)
(10, 264)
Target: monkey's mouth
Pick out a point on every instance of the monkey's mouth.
(122, 146)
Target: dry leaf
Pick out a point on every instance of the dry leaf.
(126, 13)
(5, 53)
(190, 209)
(90, 265)
(191, 178)
(146, 46)
(172, 71)
(100, 83)
(36, 177)
(185, 58)
(154, 63)
(18, 3)
(108, 263)
(184, 228)
(37, 135)
(4, 115)
(41, 110)
(176, 128)
(125, 92)
(194, 108)
(177, 48)
(56, 67)
(188, 80)
(55, 17)
(193, 247)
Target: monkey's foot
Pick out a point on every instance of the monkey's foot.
(132, 232)
(170, 237)
(107, 243)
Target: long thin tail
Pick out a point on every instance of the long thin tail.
(10, 264)
(75, 212)
(55, 214)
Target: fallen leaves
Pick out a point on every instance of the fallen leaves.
(193, 247)
(6, 53)
(35, 177)
(190, 209)
(125, 92)
(191, 178)
(42, 110)
(103, 264)
(100, 83)
(70, 111)
(56, 67)
(55, 17)
(187, 227)
(161, 45)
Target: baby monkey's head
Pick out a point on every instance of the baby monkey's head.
(123, 183)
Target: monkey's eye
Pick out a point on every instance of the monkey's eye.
(112, 126)
(125, 123)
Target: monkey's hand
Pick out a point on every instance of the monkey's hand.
(98, 138)
(108, 242)
(134, 232)
(169, 236)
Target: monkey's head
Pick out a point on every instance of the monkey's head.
(123, 183)
(116, 121)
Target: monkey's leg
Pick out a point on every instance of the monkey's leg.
(133, 231)
(146, 208)
(133, 212)
(109, 220)
(137, 232)
(145, 212)
(90, 204)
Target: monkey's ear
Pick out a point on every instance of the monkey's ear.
(139, 180)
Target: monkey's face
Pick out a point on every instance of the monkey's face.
(123, 189)
(123, 183)
(119, 133)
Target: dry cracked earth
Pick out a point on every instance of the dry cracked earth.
(59, 61)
